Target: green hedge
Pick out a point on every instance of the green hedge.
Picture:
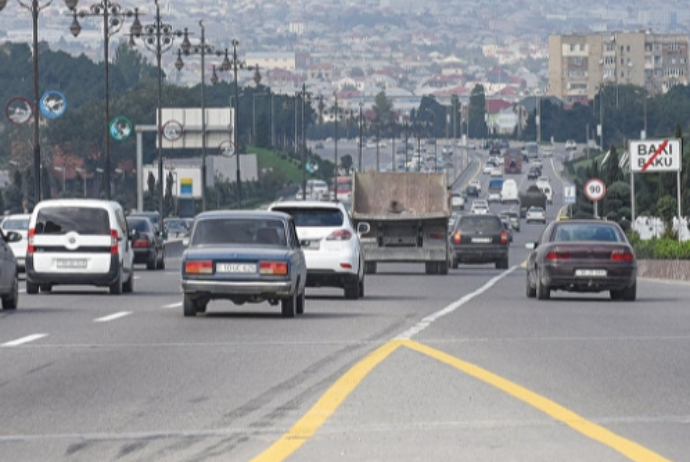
(664, 248)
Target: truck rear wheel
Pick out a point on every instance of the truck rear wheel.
(442, 267)
(431, 267)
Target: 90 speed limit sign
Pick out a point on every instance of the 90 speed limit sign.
(595, 189)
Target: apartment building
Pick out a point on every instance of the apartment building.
(580, 64)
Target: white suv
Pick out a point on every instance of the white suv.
(331, 245)
(79, 242)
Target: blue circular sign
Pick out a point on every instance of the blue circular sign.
(120, 128)
(52, 104)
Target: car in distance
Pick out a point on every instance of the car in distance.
(148, 246)
(570, 145)
(479, 239)
(535, 213)
(153, 216)
(513, 218)
(496, 172)
(487, 168)
(533, 173)
(479, 207)
(79, 242)
(18, 223)
(582, 256)
(330, 243)
(547, 152)
(9, 274)
(477, 184)
(506, 225)
(175, 227)
(472, 191)
(244, 257)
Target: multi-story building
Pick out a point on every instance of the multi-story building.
(580, 64)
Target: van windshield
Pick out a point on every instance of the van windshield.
(62, 220)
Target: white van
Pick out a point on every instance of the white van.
(548, 191)
(79, 242)
(509, 192)
(317, 190)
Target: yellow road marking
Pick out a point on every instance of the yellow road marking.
(629, 449)
(325, 406)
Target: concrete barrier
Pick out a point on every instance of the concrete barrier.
(674, 270)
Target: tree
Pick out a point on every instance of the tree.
(383, 108)
(612, 171)
(477, 113)
(346, 162)
(666, 209)
(168, 200)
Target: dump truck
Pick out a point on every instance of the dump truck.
(407, 216)
(512, 161)
(533, 196)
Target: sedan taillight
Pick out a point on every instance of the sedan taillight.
(141, 243)
(340, 235)
(621, 255)
(198, 267)
(276, 268)
(552, 256)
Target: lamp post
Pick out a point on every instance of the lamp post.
(336, 110)
(61, 169)
(201, 49)
(113, 18)
(158, 37)
(35, 8)
(359, 147)
(302, 95)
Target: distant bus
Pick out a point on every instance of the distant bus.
(344, 188)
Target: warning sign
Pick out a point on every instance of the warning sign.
(655, 155)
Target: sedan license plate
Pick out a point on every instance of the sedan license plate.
(78, 263)
(590, 273)
(481, 240)
(235, 268)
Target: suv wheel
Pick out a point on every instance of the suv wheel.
(31, 288)
(116, 287)
(128, 286)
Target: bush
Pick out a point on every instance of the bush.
(659, 249)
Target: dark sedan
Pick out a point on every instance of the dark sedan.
(479, 239)
(582, 256)
(148, 246)
(245, 257)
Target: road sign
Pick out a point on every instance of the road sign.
(52, 104)
(595, 189)
(655, 155)
(569, 194)
(172, 130)
(19, 110)
(227, 148)
(120, 128)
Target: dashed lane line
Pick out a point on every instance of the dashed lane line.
(112, 317)
(23, 340)
(172, 305)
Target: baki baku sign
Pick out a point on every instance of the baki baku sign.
(655, 156)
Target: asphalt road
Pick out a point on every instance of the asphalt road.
(460, 367)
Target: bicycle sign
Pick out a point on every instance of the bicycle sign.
(595, 189)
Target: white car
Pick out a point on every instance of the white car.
(79, 242)
(477, 184)
(547, 152)
(543, 181)
(537, 163)
(536, 214)
(487, 169)
(494, 196)
(331, 245)
(570, 145)
(480, 207)
(20, 224)
(496, 172)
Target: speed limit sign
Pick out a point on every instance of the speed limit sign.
(595, 189)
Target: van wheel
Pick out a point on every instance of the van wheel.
(11, 301)
(128, 286)
(116, 287)
(31, 288)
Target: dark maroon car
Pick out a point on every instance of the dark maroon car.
(582, 256)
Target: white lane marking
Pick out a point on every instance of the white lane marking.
(556, 173)
(112, 317)
(23, 340)
(426, 322)
(22, 291)
(172, 305)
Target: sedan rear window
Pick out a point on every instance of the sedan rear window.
(139, 224)
(480, 223)
(587, 232)
(62, 220)
(239, 231)
(15, 225)
(314, 217)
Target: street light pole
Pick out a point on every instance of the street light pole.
(82, 172)
(113, 18)
(157, 37)
(35, 8)
(61, 169)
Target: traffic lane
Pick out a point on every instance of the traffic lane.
(622, 365)
(153, 374)
(413, 407)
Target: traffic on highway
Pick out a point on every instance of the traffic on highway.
(514, 347)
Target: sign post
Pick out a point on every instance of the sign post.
(595, 190)
(570, 197)
(654, 156)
